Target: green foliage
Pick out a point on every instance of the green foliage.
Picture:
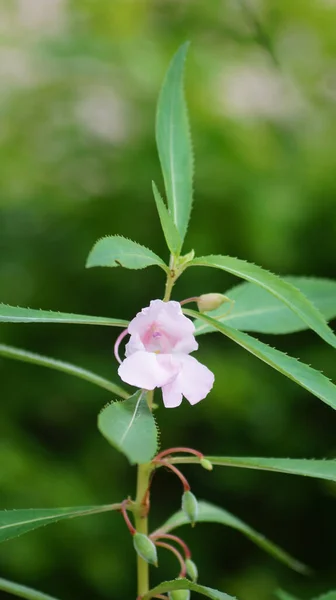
(22, 591)
(16, 314)
(255, 309)
(117, 251)
(327, 596)
(208, 513)
(174, 143)
(130, 427)
(319, 469)
(310, 379)
(185, 584)
(284, 596)
(281, 289)
(169, 229)
(16, 522)
(60, 365)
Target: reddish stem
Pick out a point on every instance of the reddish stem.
(187, 300)
(179, 557)
(117, 344)
(174, 538)
(179, 449)
(177, 472)
(131, 529)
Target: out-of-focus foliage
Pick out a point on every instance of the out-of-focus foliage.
(79, 83)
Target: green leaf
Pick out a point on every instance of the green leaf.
(59, 365)
(255, 309)
(319, 469)
(17, 314)
(130, 427)
(22, 591)
(185, 584)
(174, 143)
(208, 513)
(284, 596)
(170, 232)
(16, 522)
(283, 290)
(313, 381)
(327, 596)
(117, 251)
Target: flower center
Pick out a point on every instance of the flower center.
(156, 340)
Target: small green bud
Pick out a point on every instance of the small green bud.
(183, 260)
(192, 571)
(179, 595)
(145, 548)
(206, 464)
(207, 302)
(190, 506)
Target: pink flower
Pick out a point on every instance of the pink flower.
(157, 355)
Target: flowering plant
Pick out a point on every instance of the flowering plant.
(162, 337)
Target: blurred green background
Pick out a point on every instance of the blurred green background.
(79, 82)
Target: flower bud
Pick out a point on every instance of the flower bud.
(206, 464)
(207, 302)
(192, 571)
(145, 548)
(179, 595)
(190, 506)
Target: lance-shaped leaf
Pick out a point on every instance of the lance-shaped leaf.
(130, 427)
(319, 469)
(17, 314)
(16, 522)
(185, 584)
(310, 379)
(255, 309)
(170, 232)
(22, 591)
(283, 290)
(174, 143)
(209, 513)
(117, 251)
(59, 365)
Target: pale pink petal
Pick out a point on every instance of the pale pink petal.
(186, 345)
(143, 370)
(196, 379)
(134, 345)
(164, 319)
(193, 380)
(171, 394)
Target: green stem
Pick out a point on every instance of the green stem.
(141, 508)
(141, 523)
(22, 591)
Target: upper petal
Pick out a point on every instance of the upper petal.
(143, 370)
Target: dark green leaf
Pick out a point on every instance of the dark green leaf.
(255, 309)
(17, 314)
(171, 234)
(313, 381)
(185, 584)
(59, 365)
(16, 522)
(130, 427)
(284, 596)
(174, 143)
(22, 591)
(281, 289)
(117, 251)
(208, 513)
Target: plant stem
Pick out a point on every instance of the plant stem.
(171, 278)
(141, 513)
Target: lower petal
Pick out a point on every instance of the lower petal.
(142, 369)
(196, 380)
(171, 394)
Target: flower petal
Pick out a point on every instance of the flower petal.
(194, 381)
(143, 370)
